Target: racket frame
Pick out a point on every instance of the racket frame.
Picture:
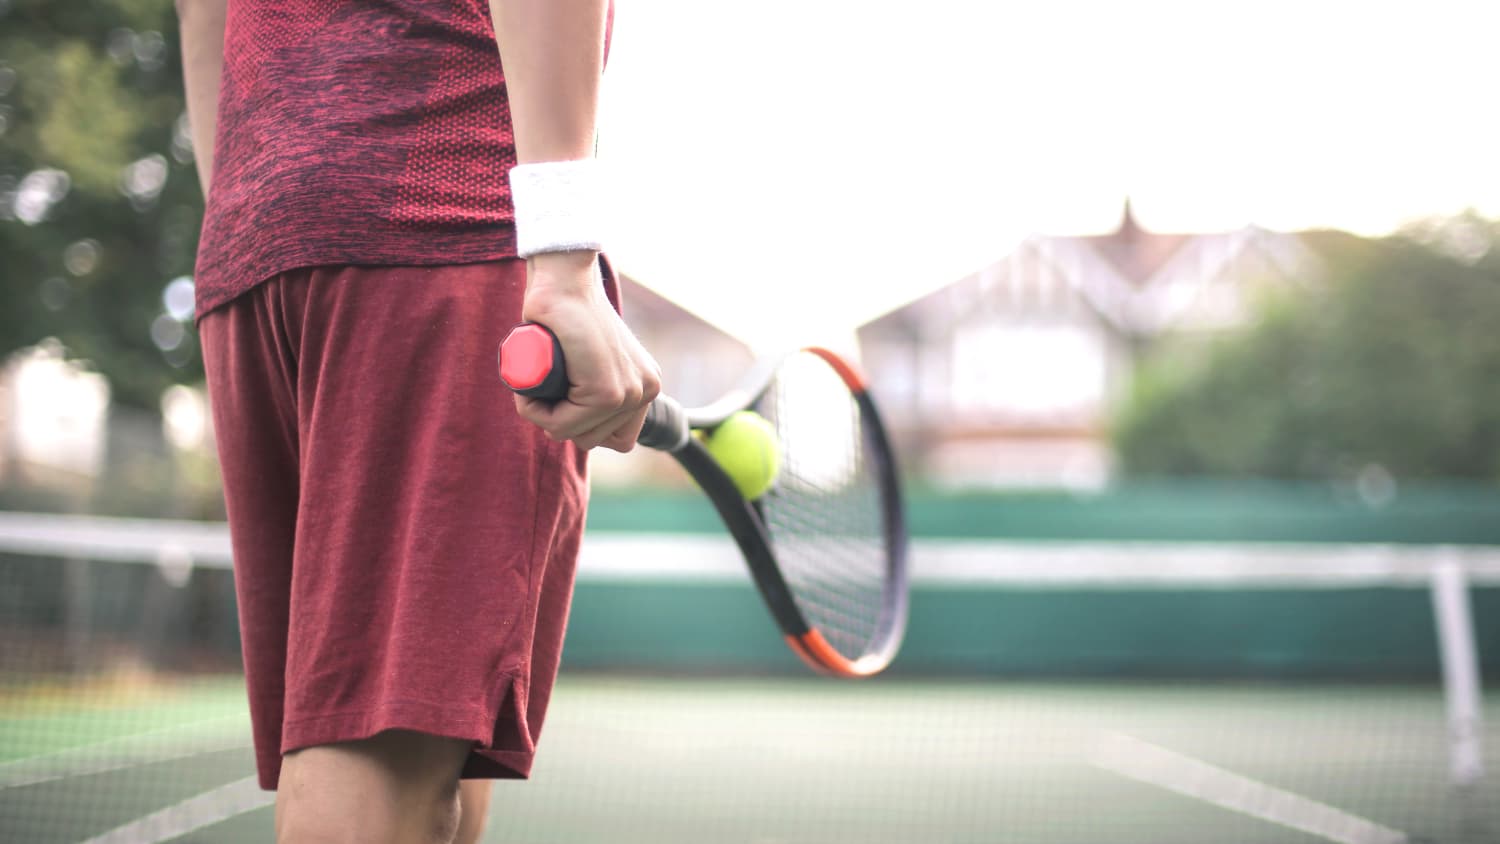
(668, 428)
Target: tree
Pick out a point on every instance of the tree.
(1390, 364)
(99, 202)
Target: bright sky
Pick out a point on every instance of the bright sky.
(791, 168)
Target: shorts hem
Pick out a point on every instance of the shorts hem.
(434, 719)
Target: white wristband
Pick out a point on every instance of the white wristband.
(559, 206)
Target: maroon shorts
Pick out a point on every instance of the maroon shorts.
(404, 543)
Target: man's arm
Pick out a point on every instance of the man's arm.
(202, 32)
(553, 52)
(553, 55)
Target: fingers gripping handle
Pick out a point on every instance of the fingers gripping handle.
(532, 364)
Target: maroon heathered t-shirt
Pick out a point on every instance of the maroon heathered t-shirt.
(356, 132)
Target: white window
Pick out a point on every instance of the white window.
(1029, 373)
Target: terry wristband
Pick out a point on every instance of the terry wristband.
(559, 206)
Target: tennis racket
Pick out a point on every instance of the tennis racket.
(827, 544)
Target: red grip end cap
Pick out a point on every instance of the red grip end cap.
(525, 357)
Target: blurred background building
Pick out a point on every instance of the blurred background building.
(1008, 376)
(53, 416)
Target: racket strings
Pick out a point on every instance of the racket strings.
(825, 513)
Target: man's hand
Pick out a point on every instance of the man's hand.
(612, 378)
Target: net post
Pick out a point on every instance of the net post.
(1460, 662)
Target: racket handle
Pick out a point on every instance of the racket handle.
(532, 364)
(666, 427)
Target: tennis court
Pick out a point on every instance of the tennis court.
(784, 760)
(1048, 692)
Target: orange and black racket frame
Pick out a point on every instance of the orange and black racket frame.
(531, 363)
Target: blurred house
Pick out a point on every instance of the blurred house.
(53, 413)
(1007, 376)
(65, 444)
(698, 363)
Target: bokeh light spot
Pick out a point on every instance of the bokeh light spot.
(1375, 486)
(167, 333)
(120, 45)
(55, 293)
(177, 298)
(142, 180)
(184, 416)
(182, 355)
(37, 193)
(182, 140)
(150, 49)
(82, 256)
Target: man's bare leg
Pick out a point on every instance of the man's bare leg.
(398, 787)
(474, 797)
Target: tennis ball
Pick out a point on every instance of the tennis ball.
(745, 447)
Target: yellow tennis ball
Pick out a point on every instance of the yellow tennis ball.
(745, 447)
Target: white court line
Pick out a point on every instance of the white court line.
(206, 809)
(1145, 762)
(161, 745)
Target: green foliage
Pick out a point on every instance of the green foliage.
(95, 89)
(1389, 364)
(83, 124)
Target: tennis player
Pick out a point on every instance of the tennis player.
(382, 205)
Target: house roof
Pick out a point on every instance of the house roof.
(1140, 282)
(1136, 254)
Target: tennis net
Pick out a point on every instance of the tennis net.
(1048, 692)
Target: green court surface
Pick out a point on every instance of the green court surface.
(778, 761)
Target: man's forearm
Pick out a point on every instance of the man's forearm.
(202, 30)
(553, 55)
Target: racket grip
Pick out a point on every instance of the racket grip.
(531, 362)
(666, 427)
